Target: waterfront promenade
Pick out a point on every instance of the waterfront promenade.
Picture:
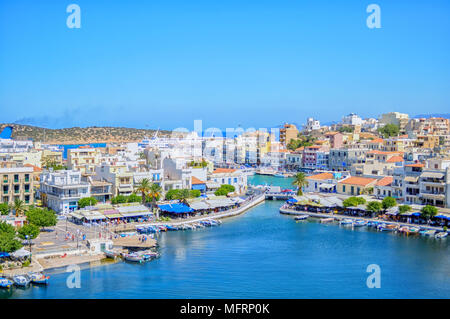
(287, 211)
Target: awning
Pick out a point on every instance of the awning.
(291, 200)
(110, 216)
(411, 179)
(136, 214)
(22, 252)
(199, 205)
(176, 208)
(432, 175)
(76, 215)
(326, 186)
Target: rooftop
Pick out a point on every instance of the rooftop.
(361, 181)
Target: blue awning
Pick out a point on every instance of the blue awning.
(176, 208)
(292, 201)
(441, 216)
(3, 255)
(415, 214)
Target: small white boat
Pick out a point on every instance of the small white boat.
(21, 280)
(327, 220)
(38, 278)
(441, 235)
(135, 258)
(302, 217)
(359, 223)
(5, 283)
(346, 221)
(430, 232)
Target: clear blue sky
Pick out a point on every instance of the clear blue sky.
(258, 63)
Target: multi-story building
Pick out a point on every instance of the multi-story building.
(396, 118)
(312, 124)
(17, 184)
(355, 185)
(342, 159)
(61, 190)
(234, 177)
(287, 133)
(352, 119)
(83, 159)
(118, 175)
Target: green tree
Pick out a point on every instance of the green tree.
(389, 130)
(7, 228)
(374, 207)
(300, 181)
(87, 201)
(154, 193)
(171, 194)
(353, 201)
(388, 202)
(41, 217)
(8, 243)
(28, 230)
(346, 129)
(183, 195)
(224, 190)
(119, 199)
(403, 209)
(428, 212)
(18, 206)
(133, 198)
(143, 187)
(4, 209)
(195, 193)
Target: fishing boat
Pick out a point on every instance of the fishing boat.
(302, 217)
(414, 230)
(111, 254)
(387, 227)
(21, 280)
(427, 232)
(441, 235)
(279, 175)
(404, 229)
(346, 221)
(359, 223)
(198, 225)
(38, 278)
(133, 257)
(148, 255)
(5, 283)
(171, 227)
(327, 220)
(162, 228)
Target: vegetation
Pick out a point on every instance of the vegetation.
(19, 207)
(353, 201)
(428, 212)
(346, 129)
(8, 241)
(143, 187)
(4, 209)
(133, 198)
(201, 164)
(119, 199)
(303, 140)
(48, 162)
(87, 201)
(183, 195)
(388, 202)
(300, 181)
(41, 217)
(403, 209)
(374, 207)
(30, 230)
(80, 135)
(195, 193)
(389, 130)
(154, 194)
(224, 190)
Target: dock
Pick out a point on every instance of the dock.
(133, 242)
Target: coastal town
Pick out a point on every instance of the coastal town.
(86, 203)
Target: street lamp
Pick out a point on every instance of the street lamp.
(29, 242)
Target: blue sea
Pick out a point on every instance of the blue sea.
(66, 147)
(262, 254)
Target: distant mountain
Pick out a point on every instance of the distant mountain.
(79, 135)
(444, 115)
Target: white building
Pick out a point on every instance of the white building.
(62, 190)
(352, 119)
(312, 124)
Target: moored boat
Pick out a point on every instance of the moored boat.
(327, 220)
(359, 223)
(302, 217)
(387, 227)
(414, 230)
(441, 235)
(21, 280)
(427, 232)
(111, 254)
(38, 278)
(346, 221)
(5, 283)
(133, 257)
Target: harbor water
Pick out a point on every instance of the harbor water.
(263, 254)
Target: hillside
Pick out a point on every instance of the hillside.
(80, 135)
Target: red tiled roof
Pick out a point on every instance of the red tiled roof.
(416, 165)
(196, 181)
(361, 181)
(35, 168)
(385, 181)
(395, 159)
(224, 170)
(321, 176)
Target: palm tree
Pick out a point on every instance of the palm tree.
(300, 181)
(183, 195)
(18, 206)
(155, 193)
(143, 187)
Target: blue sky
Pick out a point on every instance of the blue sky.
(252, 63)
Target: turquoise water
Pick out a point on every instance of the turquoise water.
(263, 254)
